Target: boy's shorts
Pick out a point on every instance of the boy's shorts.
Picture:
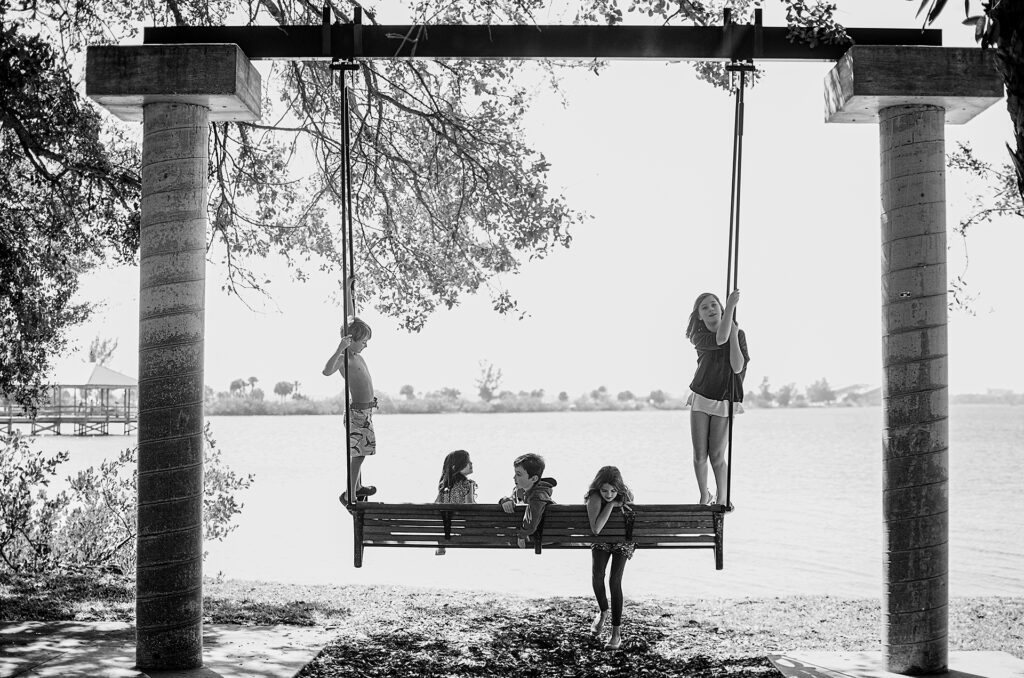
(362, 442)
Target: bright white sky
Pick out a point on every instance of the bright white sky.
(645, 149)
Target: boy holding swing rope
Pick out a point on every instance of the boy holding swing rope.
(362, 442)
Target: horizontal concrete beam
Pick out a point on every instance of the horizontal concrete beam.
(869, 78)
(220, 77)
(496, 41)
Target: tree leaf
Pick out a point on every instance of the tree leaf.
(936, 10)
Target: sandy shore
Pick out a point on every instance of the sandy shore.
(399, 631)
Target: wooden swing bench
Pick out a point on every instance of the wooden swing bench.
(565, 526)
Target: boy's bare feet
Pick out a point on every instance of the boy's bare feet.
(599, 621)
(616, 640)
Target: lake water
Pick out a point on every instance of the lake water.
(807, 490)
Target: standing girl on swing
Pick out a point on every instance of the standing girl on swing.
(721, 365)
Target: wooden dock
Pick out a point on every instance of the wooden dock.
(74, 419)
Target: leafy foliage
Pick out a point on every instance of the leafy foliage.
(820, 392)
(814, 24)
(27, 521)
(102, 350)
(92, 524)
(488, 382)
(69, 198)
(1000, 26)
(998, 197)
(283, 389)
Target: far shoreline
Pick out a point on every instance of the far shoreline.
(334, 407)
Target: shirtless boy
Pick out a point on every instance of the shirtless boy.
(361, 442)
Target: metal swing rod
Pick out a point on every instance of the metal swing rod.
(347, 258)
(733, 263)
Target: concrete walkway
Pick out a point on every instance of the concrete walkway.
(107, 650)
(812, 664)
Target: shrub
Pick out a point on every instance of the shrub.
(92, 524)
(26, 514)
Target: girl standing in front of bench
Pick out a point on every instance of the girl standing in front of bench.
(455, 487)
(606, 493)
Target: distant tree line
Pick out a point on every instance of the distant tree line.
(244, 397)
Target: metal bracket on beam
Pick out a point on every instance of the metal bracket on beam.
(329, 46)
(743, 42)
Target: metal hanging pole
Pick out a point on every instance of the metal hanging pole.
(733, 265)
(347, 256)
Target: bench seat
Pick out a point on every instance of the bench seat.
(564, 526)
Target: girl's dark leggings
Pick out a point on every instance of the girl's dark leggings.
(614, 582)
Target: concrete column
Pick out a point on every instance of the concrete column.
(911, 93)
(176, 90)
(172, 269)
(915, 489)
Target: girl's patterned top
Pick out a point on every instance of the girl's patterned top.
(459, 493)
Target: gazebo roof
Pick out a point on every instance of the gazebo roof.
(90, 375)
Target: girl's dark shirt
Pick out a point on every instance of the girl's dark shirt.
(714, 378)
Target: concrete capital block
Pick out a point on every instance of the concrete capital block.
(219, 77)
(962, 81)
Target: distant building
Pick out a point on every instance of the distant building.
(87, 396)
(859, 395)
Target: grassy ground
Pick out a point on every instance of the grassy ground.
(399, 631)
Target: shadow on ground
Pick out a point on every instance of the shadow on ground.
(551, 640)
